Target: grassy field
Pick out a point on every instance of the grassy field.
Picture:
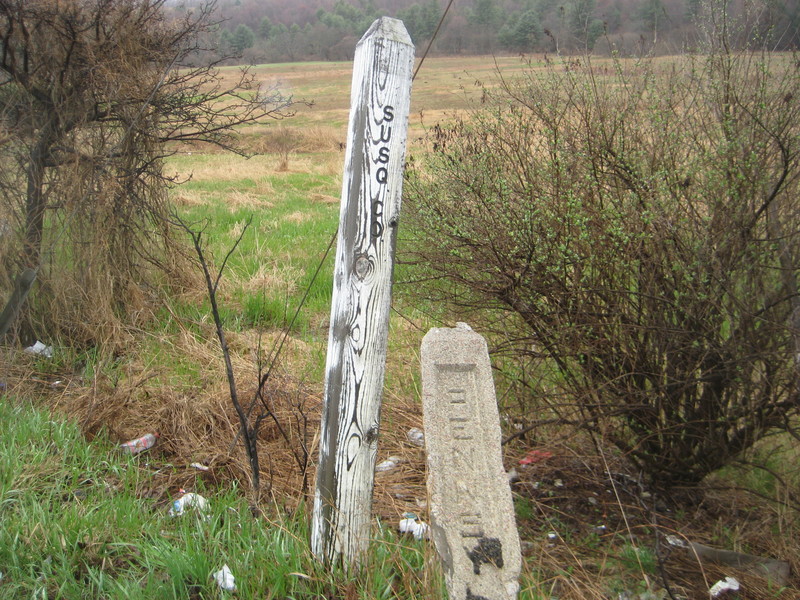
(442, 85)
(82, 521)
(79, 520)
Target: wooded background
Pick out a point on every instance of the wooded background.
(276, 31)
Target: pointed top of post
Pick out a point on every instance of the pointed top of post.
(388, 28)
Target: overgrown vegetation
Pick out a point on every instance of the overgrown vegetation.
(92, 95)
(78, 523)
(171, 379)
(629, 232)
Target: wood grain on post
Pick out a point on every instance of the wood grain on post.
(371, 194)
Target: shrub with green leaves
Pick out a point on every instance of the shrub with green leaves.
(629, 232)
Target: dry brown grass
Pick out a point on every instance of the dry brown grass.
(575, 491)
(236, 200)
(227, 167)
(189, 198)
(443, 84)
(297, 217)
(197, 423)
(570, 493)
(322, 138)
(323, 199)
(264, 187)
(193, 413)
(274, 276)
(285, 139)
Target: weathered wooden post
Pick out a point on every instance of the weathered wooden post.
(371, 194)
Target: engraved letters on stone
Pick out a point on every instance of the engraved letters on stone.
(472, 514)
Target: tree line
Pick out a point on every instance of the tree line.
(328, 30)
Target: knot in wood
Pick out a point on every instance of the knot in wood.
(372, 435)
(362, 266)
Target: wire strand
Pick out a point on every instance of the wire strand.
(276, 352)
(433, 37)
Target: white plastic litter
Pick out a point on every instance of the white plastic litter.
(674, 540)
(417, 528)
(225, 579)
(416, 436)
(388, 464)
(200, 467)
(187, 501)
(40, 349)
(729, 584)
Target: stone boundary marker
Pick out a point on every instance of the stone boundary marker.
(471, 510)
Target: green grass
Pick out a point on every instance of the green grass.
(283, 234)
(74, 521)
(73, 526)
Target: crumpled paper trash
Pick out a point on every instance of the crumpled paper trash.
(388, 464)
(674, 540)
(416, 436)
(225, 579)
(729, 584)
(40, 349)
(417, 528)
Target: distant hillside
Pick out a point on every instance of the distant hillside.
(278, 31)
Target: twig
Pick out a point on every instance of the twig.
(276, 350)
(251, 432)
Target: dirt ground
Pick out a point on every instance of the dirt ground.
(589, 527)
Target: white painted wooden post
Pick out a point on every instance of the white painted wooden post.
(371, 194)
